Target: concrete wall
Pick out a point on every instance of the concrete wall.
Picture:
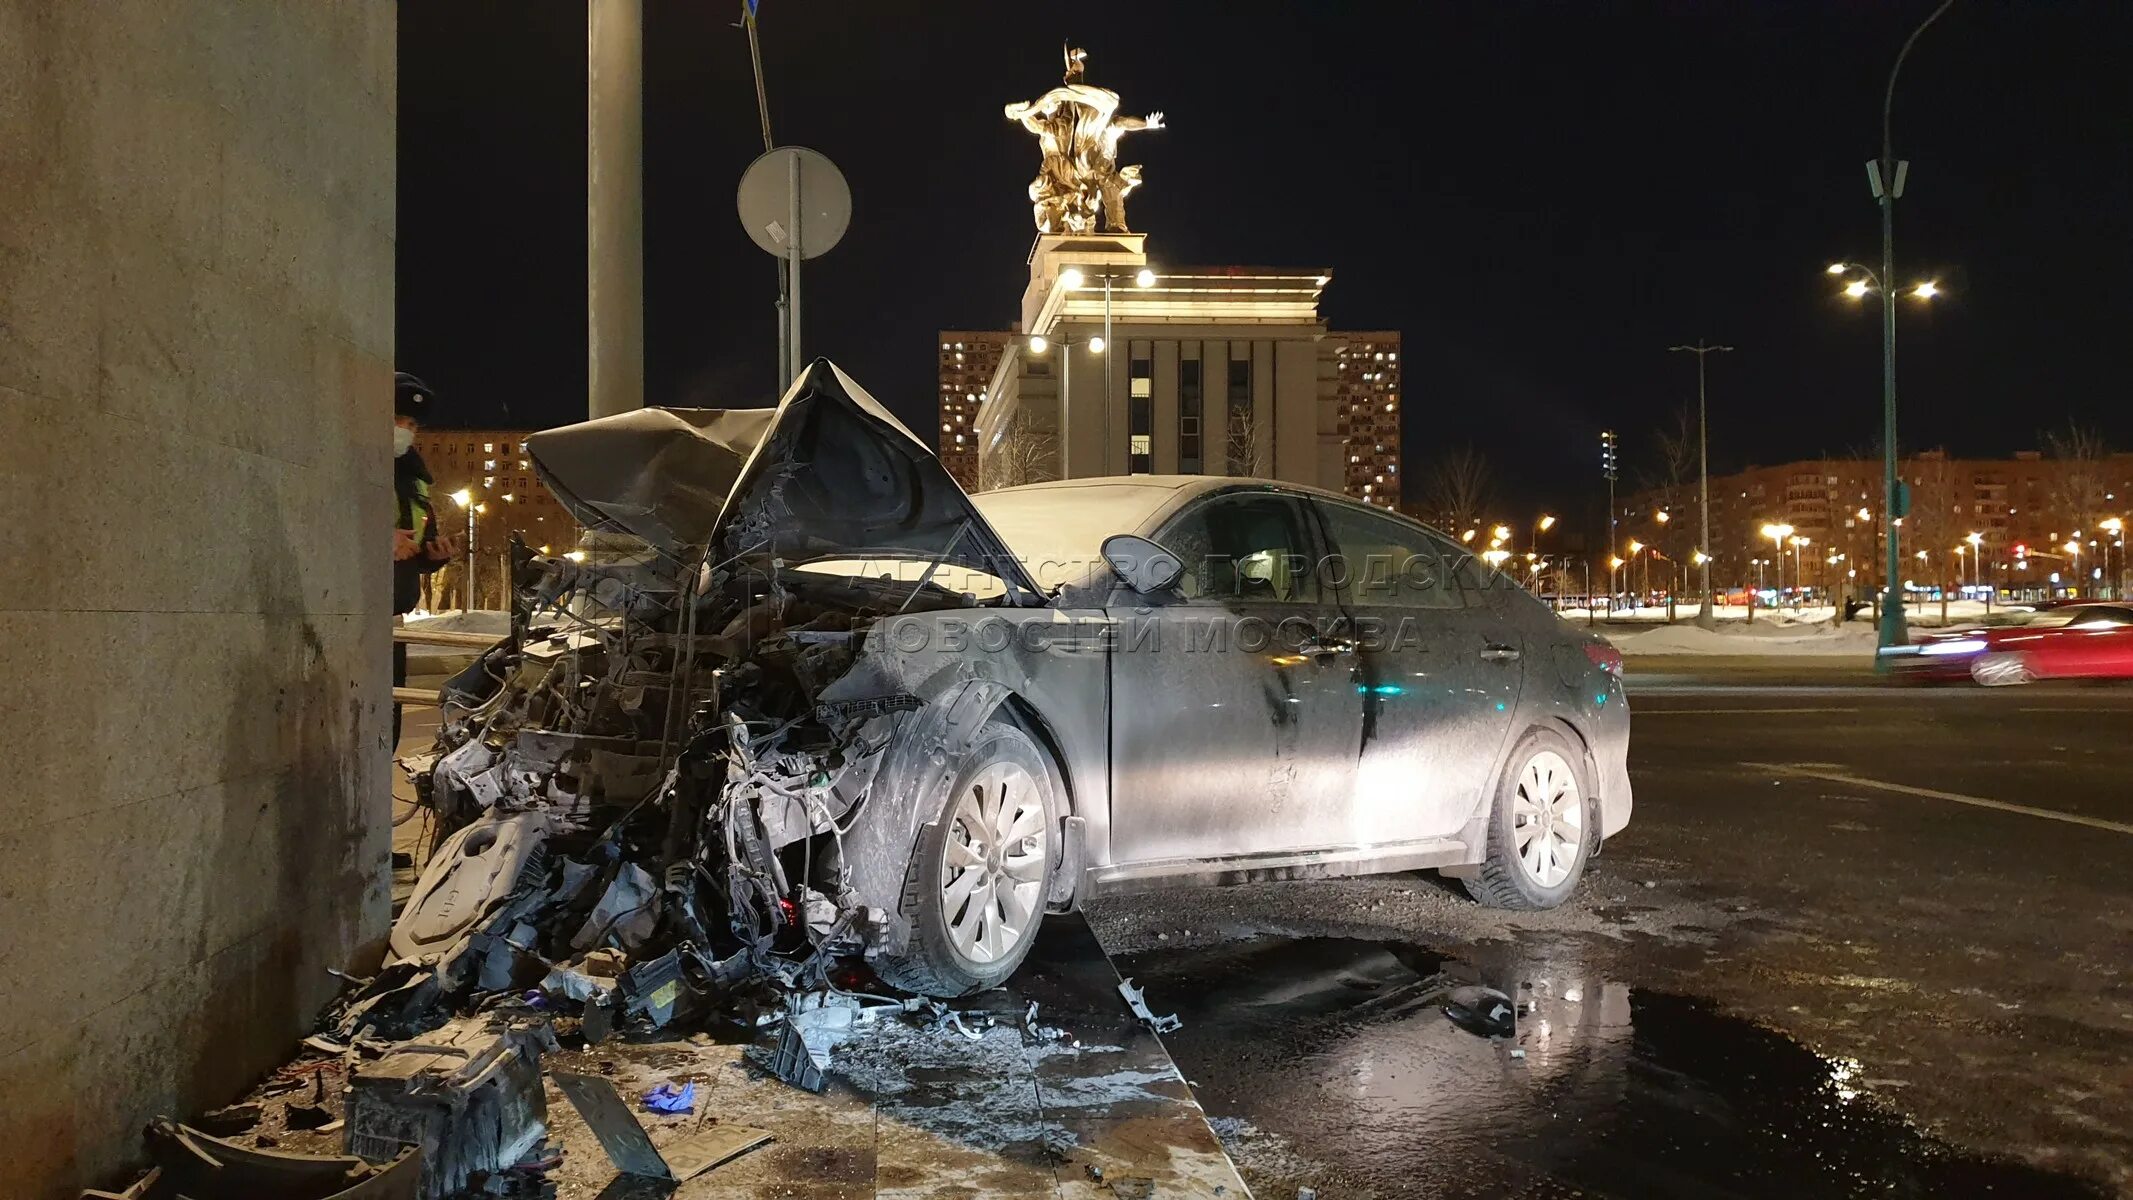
(196, 331)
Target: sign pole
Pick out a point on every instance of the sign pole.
(792, 267)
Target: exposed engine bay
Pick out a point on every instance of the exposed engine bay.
(651, 797)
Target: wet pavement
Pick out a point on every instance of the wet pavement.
(1332, 1063)
(1857, 940)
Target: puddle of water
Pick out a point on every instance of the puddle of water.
(1336, 1059)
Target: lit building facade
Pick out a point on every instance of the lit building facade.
(968, 360)
(492, 465)
(1123, 367)
(2025, 509)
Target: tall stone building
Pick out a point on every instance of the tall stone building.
(1121, 367)
(968, 359)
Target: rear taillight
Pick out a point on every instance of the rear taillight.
(1605, 657)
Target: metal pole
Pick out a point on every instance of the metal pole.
(1704, 616)
(1893, 630)
(784, 370)
(1105, 361)
(792, 267)
(614, 208)
(470, 558)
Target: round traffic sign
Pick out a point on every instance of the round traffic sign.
(766, 205)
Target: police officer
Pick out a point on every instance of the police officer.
(418, 547)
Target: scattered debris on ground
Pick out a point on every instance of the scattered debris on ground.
(1139, 1004)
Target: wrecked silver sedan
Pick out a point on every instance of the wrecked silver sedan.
(815, 703)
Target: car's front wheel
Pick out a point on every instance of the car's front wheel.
(974, 891)
(1542, 827)
(2002, 669)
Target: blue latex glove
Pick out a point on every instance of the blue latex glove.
(671, 1098)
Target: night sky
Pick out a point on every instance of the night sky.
(1541, 197)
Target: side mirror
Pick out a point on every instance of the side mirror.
(1141, 564)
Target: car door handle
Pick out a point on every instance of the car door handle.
(1498, 652)
(1326, 648)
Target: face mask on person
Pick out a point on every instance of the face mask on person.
(403, 440)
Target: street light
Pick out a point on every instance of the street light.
(2115, 527)
(1073, 278)
(1704, 616)
(464, 497)
(1039, 344)
(1885, 176)
(1777, 535)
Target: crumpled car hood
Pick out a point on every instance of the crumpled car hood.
(828, 474)
(661, 474)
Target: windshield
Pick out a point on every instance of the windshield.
(1058, 532)
(2084, 617)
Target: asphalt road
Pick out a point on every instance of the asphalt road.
(1857, 940)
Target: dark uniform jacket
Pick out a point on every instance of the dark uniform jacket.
(411, 491)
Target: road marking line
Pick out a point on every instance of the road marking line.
(1733, 712)
(1952, 797)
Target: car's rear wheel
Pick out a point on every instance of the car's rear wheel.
(974, 892)
(1542, 827)
(2002, 668)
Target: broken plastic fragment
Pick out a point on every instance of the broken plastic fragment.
(1481, 1011)
(1139, 1004)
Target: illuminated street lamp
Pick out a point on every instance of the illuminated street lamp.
(1039, 344)
(464, 497)
(1777, 535)
(1074, 278)
(2116, 528)
(1885, 177)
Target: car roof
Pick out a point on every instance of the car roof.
(1193, 485)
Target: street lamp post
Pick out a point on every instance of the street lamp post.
(1885, 176)
(1073, 278)
(2115, 527)
(1704, 616)
(1777, 535)
(464, 497)
(1039, 344)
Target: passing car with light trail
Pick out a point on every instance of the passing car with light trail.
(2080, 640)
(836, 706)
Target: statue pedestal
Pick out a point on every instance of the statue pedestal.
(1094, 253)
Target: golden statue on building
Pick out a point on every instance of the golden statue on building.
(1078, 127)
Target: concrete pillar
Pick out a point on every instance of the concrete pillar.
(196, 356)
(614, 205)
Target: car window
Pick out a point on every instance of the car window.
(1253, 547)
(1379, 562)
(2101, 618)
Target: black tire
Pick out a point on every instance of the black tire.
(932, 964)
(1504, 881)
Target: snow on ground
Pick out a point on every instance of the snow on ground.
(1856, 639)
(481, 621)
(454, 620)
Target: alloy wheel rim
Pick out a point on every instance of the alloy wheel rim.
(1547, 819)
(992, 863)
(2001, 670)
